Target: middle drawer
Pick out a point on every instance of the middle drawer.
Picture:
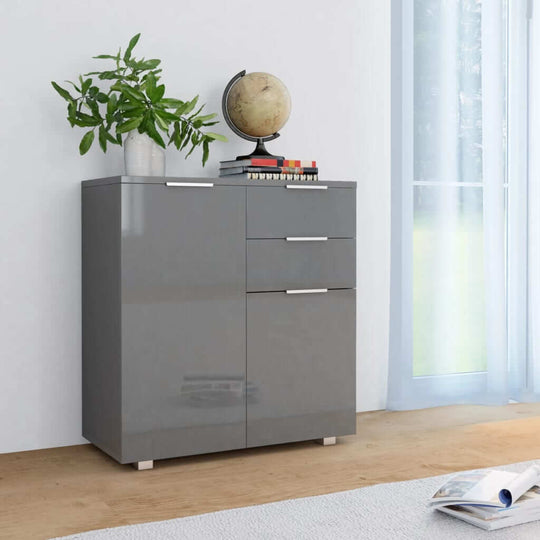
(278, 264)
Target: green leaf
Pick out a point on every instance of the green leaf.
(102, 137)
(166, 115)
(133, 94)
(132, 113)
(170, 103)
(196, 113)
(111, 104)
(207, 117)
(72, 110)
(187, 107)
(162, 124)
(86, 85)
(127, 106)
(102, 98)
(85, 120)
(216, 136)
(150, 84)
(129, 125)
(153, 133)
(74, 86)
(64, 93)
(105, 56)
(153, 92)
(83, 123)
(186, 139)
(132, 42)
(180, 134)
(193, 146)
(93, 92)
(175, 134)
(111, 139)
(206, 152)
(158, 93)
(148, 64)
(86, 142)
(94, 107)
(108, 75)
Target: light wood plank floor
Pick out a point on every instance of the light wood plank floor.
(62, 491)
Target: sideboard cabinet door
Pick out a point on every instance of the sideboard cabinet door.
(183, 320)
(300, 366)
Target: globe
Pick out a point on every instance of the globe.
(258, 104)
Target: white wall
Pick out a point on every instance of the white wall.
(332, 55)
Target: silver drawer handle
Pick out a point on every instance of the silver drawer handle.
(306, 238)
(188, 184)
(305, 291)
(295, 186)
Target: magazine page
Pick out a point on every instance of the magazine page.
(520, 485)
(497, 489)
(528, 502)
(481, 487)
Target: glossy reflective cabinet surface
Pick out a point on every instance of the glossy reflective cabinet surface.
(278, 264)
(301, 359)
(179, 357)
(183, 320)
(277, 213)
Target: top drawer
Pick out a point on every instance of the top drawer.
(278, 212)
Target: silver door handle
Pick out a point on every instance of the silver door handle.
(189, 184)
(305, 291)
(296, 186)
(306, 238)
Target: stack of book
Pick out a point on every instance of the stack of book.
(491, 499)
(270, 169)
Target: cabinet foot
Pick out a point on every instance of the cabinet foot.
(144, 465)
(326, 441)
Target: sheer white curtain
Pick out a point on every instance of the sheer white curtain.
(525, 359)
(448, 322)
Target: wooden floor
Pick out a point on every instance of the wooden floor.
(61, 491)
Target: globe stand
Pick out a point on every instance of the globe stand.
(260, 150)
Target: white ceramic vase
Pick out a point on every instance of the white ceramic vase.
(142, 156)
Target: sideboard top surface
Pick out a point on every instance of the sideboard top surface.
(223, 181)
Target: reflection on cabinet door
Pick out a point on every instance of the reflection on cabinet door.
(183, 320)
(300, 366)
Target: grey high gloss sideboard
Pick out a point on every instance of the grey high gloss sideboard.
(217, 314)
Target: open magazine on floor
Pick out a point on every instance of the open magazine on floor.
(491, 499)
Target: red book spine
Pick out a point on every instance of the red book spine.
(264, 162)
(261, 162)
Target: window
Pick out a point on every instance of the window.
(450, 193)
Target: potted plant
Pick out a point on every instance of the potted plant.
(134, 103)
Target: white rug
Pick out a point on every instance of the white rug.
(385, 511)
